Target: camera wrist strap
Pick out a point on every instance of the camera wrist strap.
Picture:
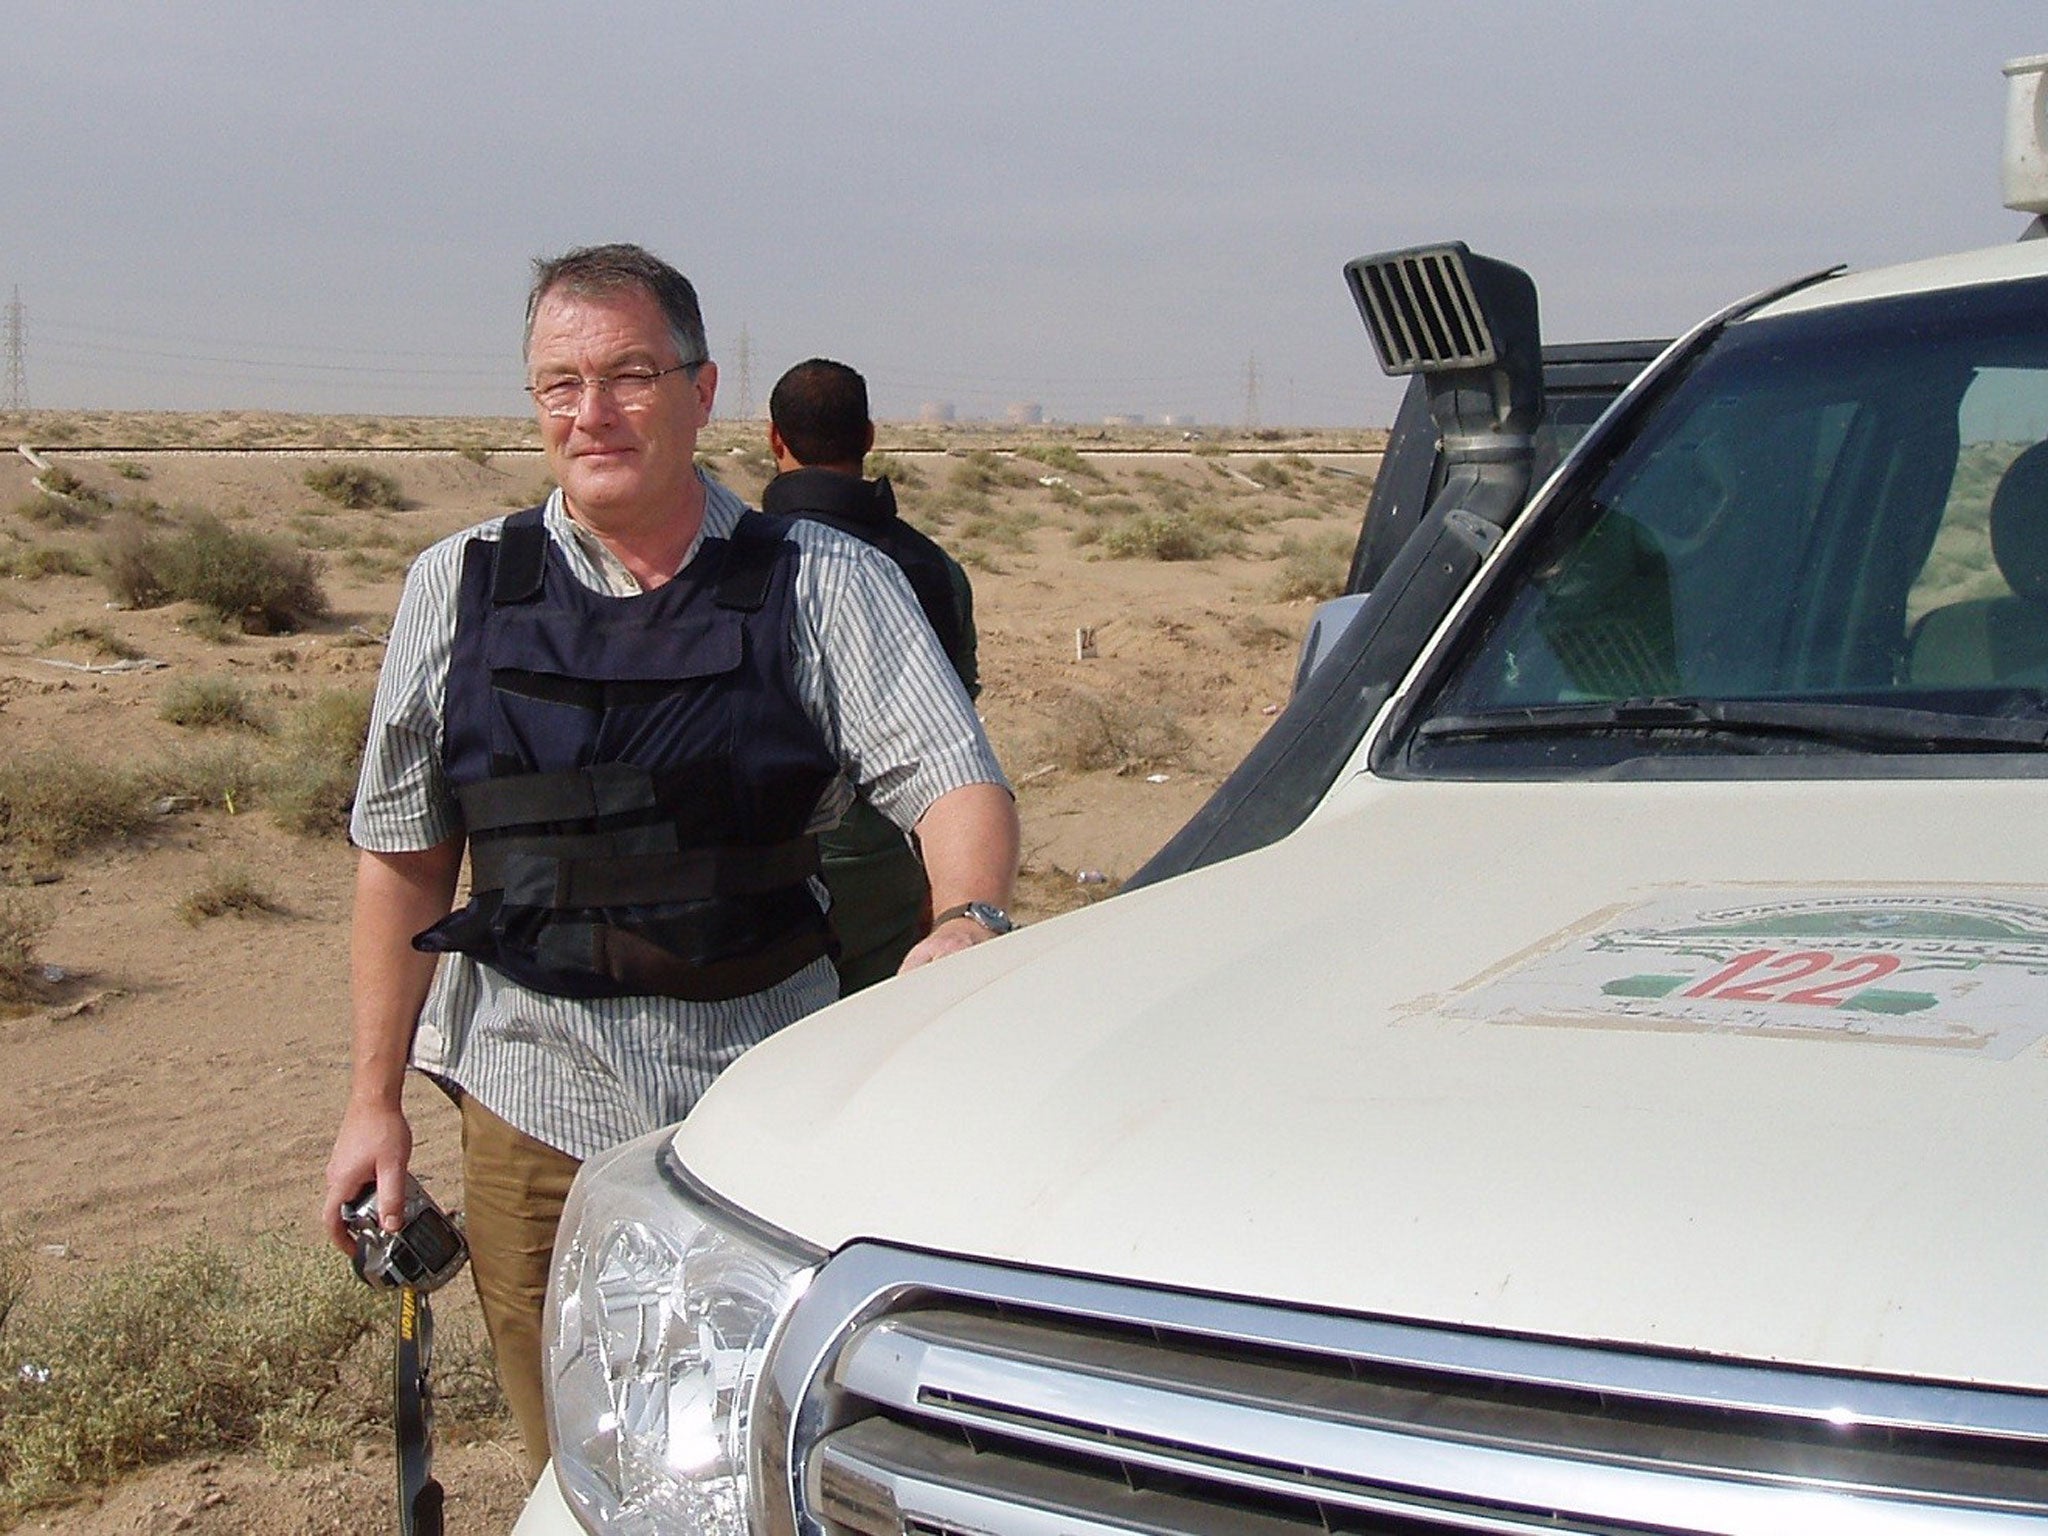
(419, 1495)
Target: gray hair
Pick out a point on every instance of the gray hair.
(596, 270)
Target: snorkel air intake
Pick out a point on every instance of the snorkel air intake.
(1468, 324)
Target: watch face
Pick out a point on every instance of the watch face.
(993, 918)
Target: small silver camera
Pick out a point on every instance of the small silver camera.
(425, 1254)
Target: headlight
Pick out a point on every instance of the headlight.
(658, 1317)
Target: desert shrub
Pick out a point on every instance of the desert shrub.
(94, 639)
(128, 469)
(224, 774)
(56, 802)
(229, 892)
(205, 624)
(311, 784)
(354, 485)
(372, 564)
(1112, 506)
(1095, 731)
(22, 926)
(941, 508)
(1005, 528)
(40, 560)
(59, 481)
(1313, 567)
(1210, 450)
(131, 564)
(752, 457)
(900, 471)
(1273, 476)
(475, 454)
(55, 511)
(984, 471)
(210, 702)
(190, 1348)
(1171, 535)
(249, 579)
(1062, 457)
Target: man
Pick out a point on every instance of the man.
(820, 432)
(632, 706)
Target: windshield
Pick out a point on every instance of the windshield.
(1832, 515)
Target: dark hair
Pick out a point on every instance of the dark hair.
(821, 409)
(593, 270)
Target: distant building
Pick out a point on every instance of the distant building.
(1123, 421)
(933, 412)
(1180, 421)
(1024, 413)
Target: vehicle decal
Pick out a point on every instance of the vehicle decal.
(1962, 969)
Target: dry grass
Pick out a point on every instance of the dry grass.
(1314, 567)
(230, 892)
(211, 703)
(311, 784)
(1167, 535)
(1046, 890)
(22, 925)
(356, 486)
(56, 802)
(36, 562)
(94, 639)
(1093, 731)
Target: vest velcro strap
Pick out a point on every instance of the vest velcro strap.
(522, 557)
(650, 969)
(524, 800)
(749, 567)
(533, 879)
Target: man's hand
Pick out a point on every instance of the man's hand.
(948, 938)
(373, 1146)
(397, 894)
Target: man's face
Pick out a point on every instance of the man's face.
(619, 469)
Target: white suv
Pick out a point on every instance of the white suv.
(1603, 1090)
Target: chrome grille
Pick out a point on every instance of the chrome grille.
(925, 1396)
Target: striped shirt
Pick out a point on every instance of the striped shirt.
(586, 1074)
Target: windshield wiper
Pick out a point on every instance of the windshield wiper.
(1752, 722)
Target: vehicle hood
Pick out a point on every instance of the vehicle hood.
(1458, 1053)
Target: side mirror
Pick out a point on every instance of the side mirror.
(1326, 628)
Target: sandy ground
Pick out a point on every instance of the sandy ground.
(185, 1078)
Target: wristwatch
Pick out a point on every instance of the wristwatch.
(986, 913)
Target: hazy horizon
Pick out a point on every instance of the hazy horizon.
(1140, 210)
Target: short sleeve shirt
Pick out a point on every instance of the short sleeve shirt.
(586, 1074)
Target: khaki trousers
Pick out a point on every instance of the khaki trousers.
(513, 1188)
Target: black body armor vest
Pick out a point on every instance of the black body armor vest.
(635, 773)
(866, 509)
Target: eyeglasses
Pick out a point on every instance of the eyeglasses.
(631, 389)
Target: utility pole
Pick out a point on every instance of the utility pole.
(1251, 393)
(746, 375)
(17, 356)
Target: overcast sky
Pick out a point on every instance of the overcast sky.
(1123, 207)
